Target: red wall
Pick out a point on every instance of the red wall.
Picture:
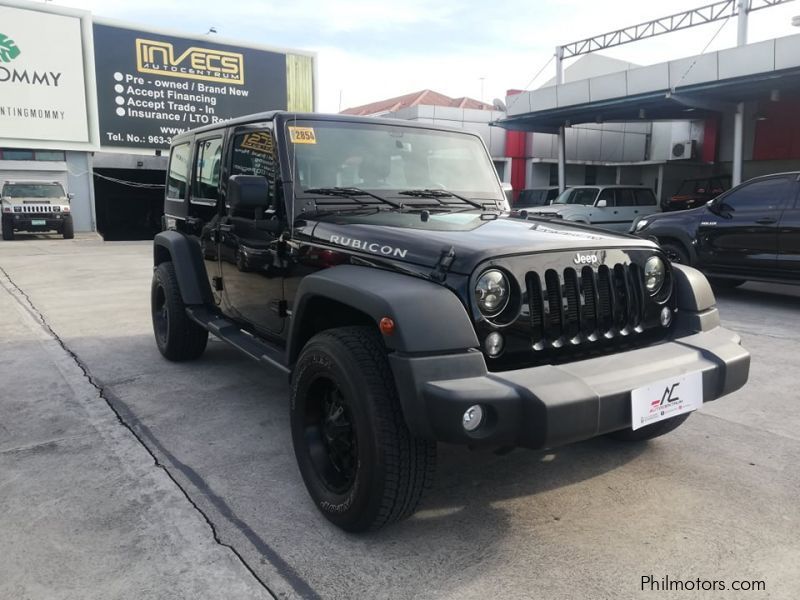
(778, 137)
(516, 144)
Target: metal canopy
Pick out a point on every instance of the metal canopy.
(725, 9)
(688, 102)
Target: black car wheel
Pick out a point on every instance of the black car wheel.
(177, 336)
(8, 230)
(68, 230)
(675, 253)
(648, 432)
(360, 463)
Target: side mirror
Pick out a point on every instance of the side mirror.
(601, 204)
(248, 191)
(70, 196)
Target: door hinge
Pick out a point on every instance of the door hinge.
(217, 283)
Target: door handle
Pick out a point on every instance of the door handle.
(766, 221)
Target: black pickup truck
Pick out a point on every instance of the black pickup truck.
(751, 232)
(373, 263)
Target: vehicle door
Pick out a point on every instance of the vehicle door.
(740, 230)
(646, 203)
(252, 276)
(625, 209)
(789, 238)
(604, 212)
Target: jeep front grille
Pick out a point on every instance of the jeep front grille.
(577, 306)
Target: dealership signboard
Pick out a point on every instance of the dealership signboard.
(152, 86)
(42, 84)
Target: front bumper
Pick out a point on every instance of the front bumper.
(33, 222)
(548, 406)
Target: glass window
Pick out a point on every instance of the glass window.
(625, 198)
(33, 190)
(178, 166)
(645, 198)
(254, 154)
(207, 169)
(18, 155)
(760, 195)
(50, 155)
(608, 196)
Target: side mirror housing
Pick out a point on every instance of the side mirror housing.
(70, 195)
(601, 204)
(248, 191)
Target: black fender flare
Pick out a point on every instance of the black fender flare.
(429, 318)
(189, 266)
(677, 234)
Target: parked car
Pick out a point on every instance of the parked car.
(534, 197)
(751, 232)
(388, 283)
(36, 207)
(613, 207)
(694, 192)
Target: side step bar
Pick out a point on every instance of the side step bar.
(243, 341)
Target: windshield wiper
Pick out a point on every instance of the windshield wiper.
(351, 192)
(440, 193)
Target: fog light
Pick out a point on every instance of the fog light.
(666, 316)
(473, 417)
(493, 344)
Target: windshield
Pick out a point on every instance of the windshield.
(532, 197)
(390, 159)
(33, 190)
(585, 196)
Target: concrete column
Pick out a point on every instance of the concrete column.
(738, 143)
(619, 175)
(559, 65)
(660, 184)
(743, 8)
(562, 159)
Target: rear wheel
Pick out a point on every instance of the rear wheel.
(177, 336)
(648, 432)
(8, 230)
(675, 252)
(362, 466)
(68, 232)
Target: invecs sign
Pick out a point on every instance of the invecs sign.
(205, 64)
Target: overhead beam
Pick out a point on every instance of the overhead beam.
(702, 15)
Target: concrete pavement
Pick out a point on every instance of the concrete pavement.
(716, 499)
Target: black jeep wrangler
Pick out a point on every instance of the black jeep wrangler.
(371, 261)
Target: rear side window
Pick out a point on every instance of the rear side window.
(645, 198)
(178, 167)
(207, 169)
(625, 198)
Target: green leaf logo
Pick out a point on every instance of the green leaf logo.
(8, 49)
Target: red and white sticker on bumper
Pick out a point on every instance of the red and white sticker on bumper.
(666, 398)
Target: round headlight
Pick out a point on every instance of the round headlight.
(654, 274)
(492, 292)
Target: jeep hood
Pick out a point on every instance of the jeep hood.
(474, 238)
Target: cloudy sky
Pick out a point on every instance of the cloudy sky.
(374, 49)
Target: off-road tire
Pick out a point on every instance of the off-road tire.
(648, 432)
(68, 230)
(392, 467)
(8, 230)
(675, 252)
(177, 336)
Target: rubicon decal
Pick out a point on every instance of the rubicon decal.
(195, 63)
(374, 247)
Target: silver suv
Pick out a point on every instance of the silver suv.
(35, 206)
(609, 206)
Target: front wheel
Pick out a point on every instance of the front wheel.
(675, 253)
(68, 232)
(177, 336)
(8, 230)
(362, 466)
